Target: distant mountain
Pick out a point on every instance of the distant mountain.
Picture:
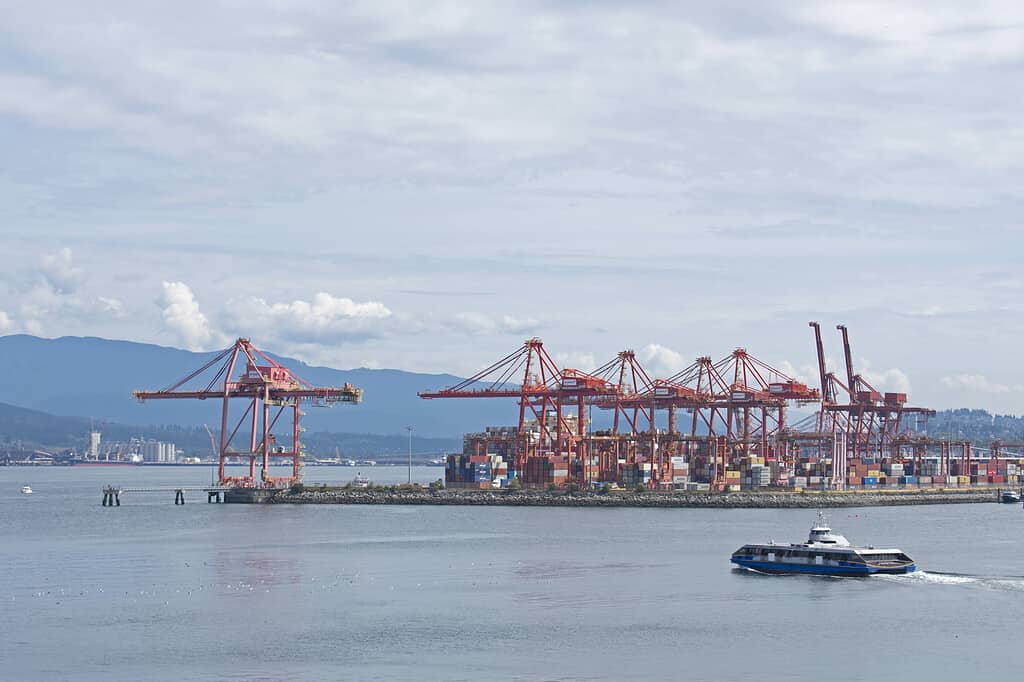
(94, 377)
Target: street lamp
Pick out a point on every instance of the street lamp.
(409, 429)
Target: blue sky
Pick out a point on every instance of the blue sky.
(424, 185)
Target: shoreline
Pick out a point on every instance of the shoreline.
(733, 500)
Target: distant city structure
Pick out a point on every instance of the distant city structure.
(157, 451)
(133, 450)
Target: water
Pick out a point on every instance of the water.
(210, 592)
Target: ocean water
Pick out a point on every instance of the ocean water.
(153, 591)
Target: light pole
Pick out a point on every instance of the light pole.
(409, 429)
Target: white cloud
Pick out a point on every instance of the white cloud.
(324, 319)
(575, 360)
(182, 315)
(6, 324)
(516, 325)
(661, 361)
(479, 323)
(110, 305)
(893, 380)
(59, 272)
(807, 374)
(976, 382)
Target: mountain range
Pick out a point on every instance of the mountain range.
(94, 378)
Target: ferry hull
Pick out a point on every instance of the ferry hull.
(776, 567)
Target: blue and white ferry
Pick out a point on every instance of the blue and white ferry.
(824, 553)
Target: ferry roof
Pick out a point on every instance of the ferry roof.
(830, 548)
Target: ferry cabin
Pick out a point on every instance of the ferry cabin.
(826, 560)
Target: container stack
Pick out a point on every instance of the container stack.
(680, 473)
(476, 471)
(542, 471)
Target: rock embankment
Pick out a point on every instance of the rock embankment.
(749, 500)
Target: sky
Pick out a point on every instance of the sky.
(424, 185)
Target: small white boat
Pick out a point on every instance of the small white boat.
(360, 481)
(26, 490)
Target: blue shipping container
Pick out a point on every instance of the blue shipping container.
(869, 480)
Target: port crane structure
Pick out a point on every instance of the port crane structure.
(268, 391)
(857, 419)
(737, 404)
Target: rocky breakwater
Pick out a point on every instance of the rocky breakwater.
(750, 500)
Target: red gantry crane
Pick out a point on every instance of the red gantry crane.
(268, 391)
(862, 420)
(548, 397)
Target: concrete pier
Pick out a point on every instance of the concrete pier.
(112, 494)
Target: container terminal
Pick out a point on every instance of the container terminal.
(727, 430)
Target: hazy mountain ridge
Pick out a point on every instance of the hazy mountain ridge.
(93, 377)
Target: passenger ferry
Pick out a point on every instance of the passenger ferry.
(824, 553)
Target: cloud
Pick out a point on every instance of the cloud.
(576, 360)
(182, 315)
(6, 324)
(479, 324)
(59, 272)
(807, 374)
(977, 382)
(323, 319)
(48, 295)
(894, 380)
(110, 305)
(661, 361)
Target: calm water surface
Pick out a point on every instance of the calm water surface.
(210, 592)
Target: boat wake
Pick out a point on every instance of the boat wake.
(1012, 583)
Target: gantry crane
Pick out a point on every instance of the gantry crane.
(261, 385)
(867, 421)
(548, 397)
